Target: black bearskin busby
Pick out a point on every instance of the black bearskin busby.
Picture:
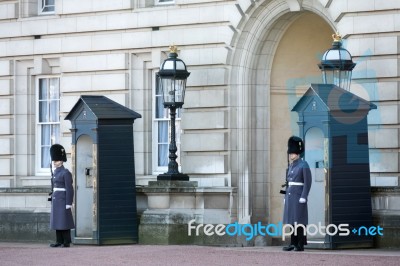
(57, 153)
(295, 145)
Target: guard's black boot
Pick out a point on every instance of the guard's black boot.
(288, 248)
(55, 245)
(298, 248)
(301, 239)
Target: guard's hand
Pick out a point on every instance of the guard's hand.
(68, 207)
(302, 200)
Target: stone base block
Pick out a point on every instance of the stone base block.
(171, 227)
(172, 205)
(25, 226)
(390, 222)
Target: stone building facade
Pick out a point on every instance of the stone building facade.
(250, 61)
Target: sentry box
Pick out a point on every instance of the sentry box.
(104, 172)
(333, 123)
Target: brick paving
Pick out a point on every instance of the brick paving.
(33, 254)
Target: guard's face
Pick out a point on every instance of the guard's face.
(57, 163)
(293, 156)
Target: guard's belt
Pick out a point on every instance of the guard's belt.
(296, 184)
(58, 189)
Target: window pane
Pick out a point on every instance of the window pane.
(163, 132)
(163, 143)
(43, 111)
(55, 133)
(45, 159)
(158, 89)
(45, 146)
(47, 5)
(160, 110)
(42, 89)
(54, 111)
(163, 155)
(46, 133)
(54, 90)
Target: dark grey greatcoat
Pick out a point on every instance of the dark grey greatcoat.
(299, 171)
(61, 218)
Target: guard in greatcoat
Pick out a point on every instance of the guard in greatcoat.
(299, 184)
(61, 199)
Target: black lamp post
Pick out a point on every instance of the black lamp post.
(172, 81)
(337, 65)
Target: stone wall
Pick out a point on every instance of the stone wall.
(163, 212)
(25, 215)
(25, 226)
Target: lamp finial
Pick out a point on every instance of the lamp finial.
(173, 49)
(337, 37)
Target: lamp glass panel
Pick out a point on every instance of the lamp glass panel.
(168, 65)
(332, 55)
(173, 90)
(340, 78)
(180, 65)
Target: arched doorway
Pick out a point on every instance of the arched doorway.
(293, 69)
(272, 65)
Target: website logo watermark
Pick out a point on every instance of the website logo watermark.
(283, 230)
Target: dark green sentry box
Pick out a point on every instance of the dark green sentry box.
(333, 123)
(104, 172)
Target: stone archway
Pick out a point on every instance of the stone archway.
(256, 170)
(294, 68)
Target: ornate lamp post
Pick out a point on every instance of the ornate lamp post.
(172, 81)
(337, 65)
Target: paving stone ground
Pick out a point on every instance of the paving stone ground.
(33, 254)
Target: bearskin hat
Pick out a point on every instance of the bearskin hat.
(295, 145)
(57, 153)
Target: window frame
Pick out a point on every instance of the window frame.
(42, 5)
(39, 124)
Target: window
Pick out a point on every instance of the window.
(162, 133)
(48, 119)
(46, 6)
